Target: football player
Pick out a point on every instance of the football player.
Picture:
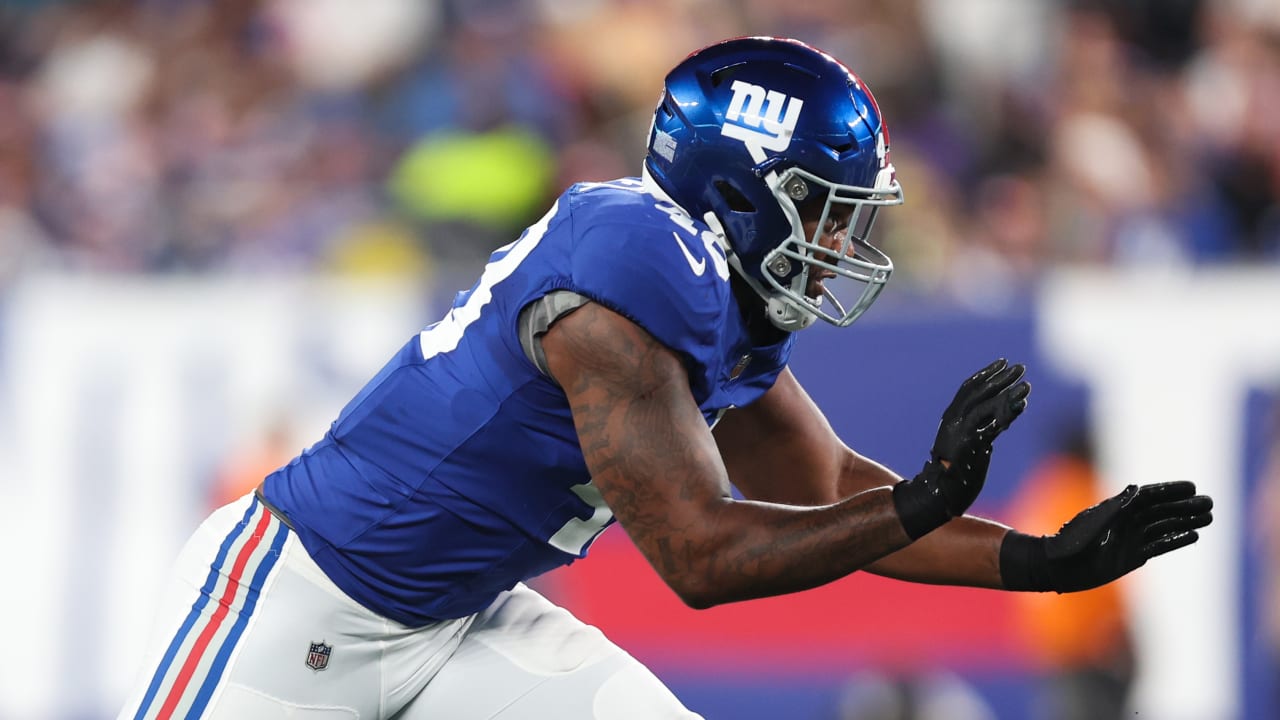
(624, 360)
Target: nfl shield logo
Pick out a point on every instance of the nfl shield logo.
(318, 656)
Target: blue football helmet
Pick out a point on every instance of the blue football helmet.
(754, 134)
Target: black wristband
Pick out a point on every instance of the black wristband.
(919, 502)
(1024, 563)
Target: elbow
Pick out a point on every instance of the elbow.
(698, 594)
(696, 572)
(698, 600)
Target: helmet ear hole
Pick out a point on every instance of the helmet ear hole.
(736, 201)
(719, 76)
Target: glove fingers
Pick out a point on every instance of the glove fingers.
(1173, 526)
(1011, 404)
(964, 396)
(1168, 543)
(1164, 492)
(999, 412)
(1198, 505)
(982, 375)
(997, 384)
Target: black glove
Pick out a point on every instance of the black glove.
(984, 406)
(1110, 539)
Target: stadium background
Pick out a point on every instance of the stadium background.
(216, 221)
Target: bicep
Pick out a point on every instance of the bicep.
(642, 435)
(782, 449)
(658, 468)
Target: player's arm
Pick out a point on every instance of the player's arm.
(656, 464)
(785, 432)
(804, 462)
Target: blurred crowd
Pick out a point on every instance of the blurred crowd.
(401, 136)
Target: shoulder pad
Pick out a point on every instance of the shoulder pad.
(646, 259)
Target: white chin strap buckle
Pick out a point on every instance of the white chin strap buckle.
(786, 316)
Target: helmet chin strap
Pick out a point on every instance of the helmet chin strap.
(788, 316)
(784, 315)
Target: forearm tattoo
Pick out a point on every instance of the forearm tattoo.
(656, 464)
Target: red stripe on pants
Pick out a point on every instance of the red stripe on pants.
(224, 605)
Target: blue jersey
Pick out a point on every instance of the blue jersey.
(456, 472)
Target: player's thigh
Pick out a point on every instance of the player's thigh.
(231, 599)
(253, 629)
(524, 657)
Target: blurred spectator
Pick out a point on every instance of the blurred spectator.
(265, 135)
(1080, 641)
(387, 137)
(472, 188)
(1007, 249)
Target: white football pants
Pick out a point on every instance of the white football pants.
(252, 629)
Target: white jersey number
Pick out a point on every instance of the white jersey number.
(577, 534)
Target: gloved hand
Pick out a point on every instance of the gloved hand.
(985, 406)
(1108, 540)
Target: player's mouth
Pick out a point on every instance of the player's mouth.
(816, 278)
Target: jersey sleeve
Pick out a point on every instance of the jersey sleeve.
(656, 273)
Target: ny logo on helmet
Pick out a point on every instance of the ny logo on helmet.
(756, 117)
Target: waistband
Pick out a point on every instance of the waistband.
(257, 492)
